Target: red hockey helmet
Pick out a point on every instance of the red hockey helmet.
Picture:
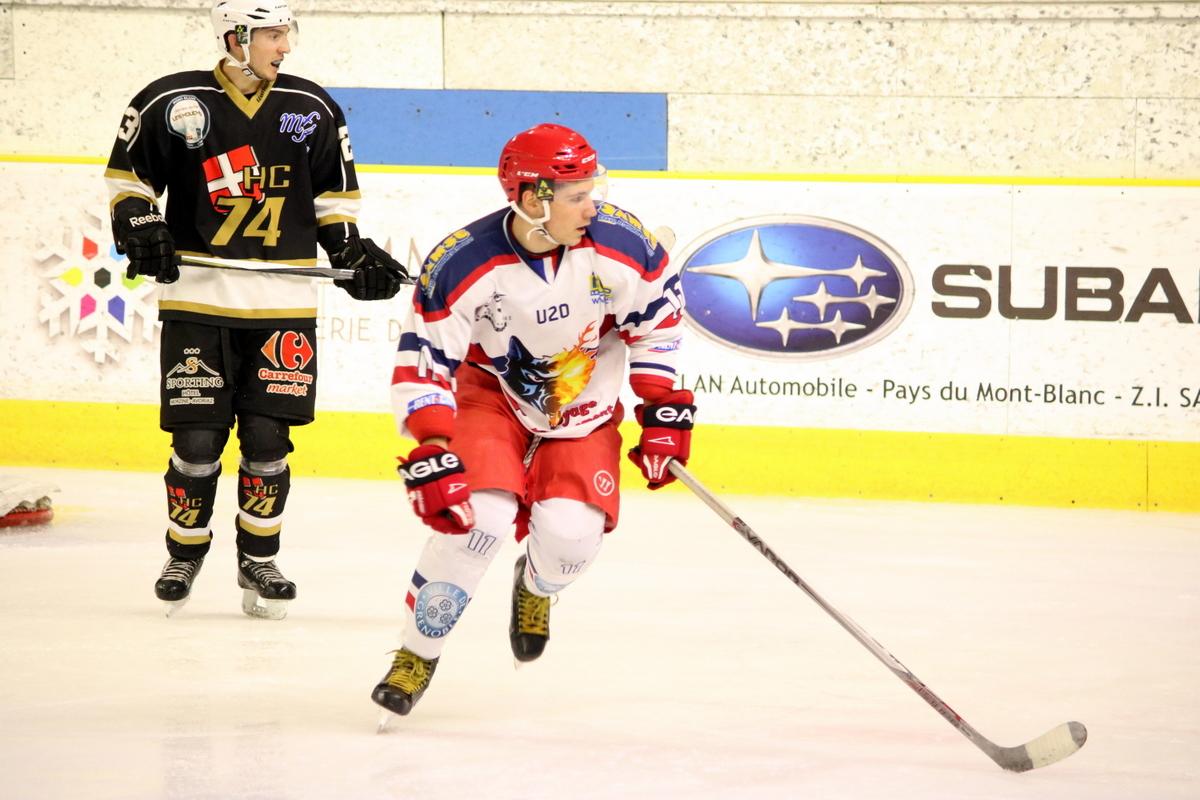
(543, 154)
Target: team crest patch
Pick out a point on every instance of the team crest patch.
(493, 312)
(235, 173)
(300, 126)
(438, 607)
(188, 118)
(600, 293)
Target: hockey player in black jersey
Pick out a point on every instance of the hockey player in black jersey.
(255, 165)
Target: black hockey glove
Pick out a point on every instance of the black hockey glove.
(151, 249)
(377, 276)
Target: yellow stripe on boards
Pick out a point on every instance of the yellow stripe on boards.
(798, 462)
(824, 177)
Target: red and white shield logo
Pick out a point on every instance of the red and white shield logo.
(229, 173)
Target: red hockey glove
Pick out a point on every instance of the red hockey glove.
(666, 434)
(437, 488)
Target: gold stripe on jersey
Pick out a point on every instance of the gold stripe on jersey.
(237, 313)
(336, 219)
(119, 196)
(247, 105)
(122, 175)
(354, 195)
(283, 262)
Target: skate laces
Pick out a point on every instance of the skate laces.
(410, 673)
(533, 612)
(180, 569)
(264, 572)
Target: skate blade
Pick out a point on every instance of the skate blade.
(172, 607)
(261, 608)
(384, 718)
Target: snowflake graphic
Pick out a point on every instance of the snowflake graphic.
(90, 290)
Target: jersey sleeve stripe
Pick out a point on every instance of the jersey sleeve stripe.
(649, 365)
(412, 375)
(647, 272)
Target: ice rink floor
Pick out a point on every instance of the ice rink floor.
(682, 666)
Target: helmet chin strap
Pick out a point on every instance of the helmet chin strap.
(244, 66)
(539, 225)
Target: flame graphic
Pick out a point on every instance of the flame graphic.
(572, 370)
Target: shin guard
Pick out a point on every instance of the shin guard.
(189, 508)
(261, 499)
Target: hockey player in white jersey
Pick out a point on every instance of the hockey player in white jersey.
(508, 372)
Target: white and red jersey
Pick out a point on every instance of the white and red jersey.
(555, 330)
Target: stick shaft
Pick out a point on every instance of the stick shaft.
(1001, 755)
(265, 267)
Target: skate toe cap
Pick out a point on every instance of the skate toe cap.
(392, 699)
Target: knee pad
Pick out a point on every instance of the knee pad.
(264, 444)
(564, 537)
(197, 451)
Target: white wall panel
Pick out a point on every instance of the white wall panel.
(1168, 141)
(6, 43)
(949, 136)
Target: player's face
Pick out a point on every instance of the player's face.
(268, 47)
(571, 211)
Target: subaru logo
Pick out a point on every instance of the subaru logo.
(794, 287)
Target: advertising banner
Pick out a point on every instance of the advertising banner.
(1049, 310)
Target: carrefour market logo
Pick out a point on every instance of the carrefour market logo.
(794, 286)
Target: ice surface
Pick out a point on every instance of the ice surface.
(682, 666)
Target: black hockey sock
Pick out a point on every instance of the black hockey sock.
(261, 499)
(189, 508)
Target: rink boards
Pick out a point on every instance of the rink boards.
(983, 340)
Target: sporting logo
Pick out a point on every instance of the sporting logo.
(794, 287)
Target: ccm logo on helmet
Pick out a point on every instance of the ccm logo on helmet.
(427, 469)
(794, 287)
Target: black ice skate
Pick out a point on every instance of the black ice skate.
(265, 592)
(174, 586)
(404, 684)
(529, 625)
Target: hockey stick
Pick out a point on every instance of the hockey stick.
(1052, 746)
(265, 266)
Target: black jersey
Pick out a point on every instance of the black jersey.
(264, 177)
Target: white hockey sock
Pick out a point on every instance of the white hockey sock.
(449, 570)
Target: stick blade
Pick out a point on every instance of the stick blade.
(1052, 746)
